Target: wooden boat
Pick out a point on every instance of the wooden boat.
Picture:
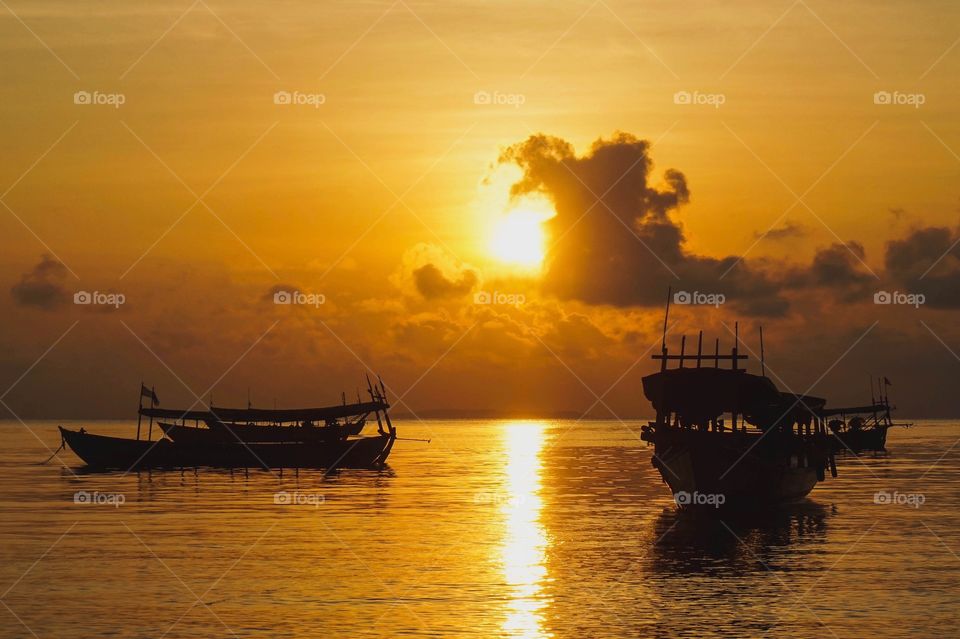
(101, 452)
(222, 432)
(247, 438)
(859, 429)
(724, 438)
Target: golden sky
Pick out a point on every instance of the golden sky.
(196, 158)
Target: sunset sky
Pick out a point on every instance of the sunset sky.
(406, 162)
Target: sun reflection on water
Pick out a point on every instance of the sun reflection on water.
(525, 541)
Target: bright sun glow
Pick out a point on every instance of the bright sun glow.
(518, 237)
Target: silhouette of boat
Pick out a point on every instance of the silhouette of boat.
(726, 438)
(859, 429)
(216, 431)
(245, 438)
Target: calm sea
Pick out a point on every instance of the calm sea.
(495, 529)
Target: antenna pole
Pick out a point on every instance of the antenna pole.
(140, 406)
(736, 345)
(666, 315)
(699, 348)
(763, 368)
(872, 400)
(153, 394)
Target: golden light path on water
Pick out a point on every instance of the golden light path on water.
(525, 540)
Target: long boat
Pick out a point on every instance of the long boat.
(250, 433)
(859, 429)
(725, 438)
(268, 446)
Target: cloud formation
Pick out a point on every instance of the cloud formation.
(42, 287)
(614, 241)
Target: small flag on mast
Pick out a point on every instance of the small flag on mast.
(146, 392)
(887, 382)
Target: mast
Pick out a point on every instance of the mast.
(140, 407)
(763, 368)
(663, 340)
(153, 393)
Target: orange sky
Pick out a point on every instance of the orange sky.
(199, 196)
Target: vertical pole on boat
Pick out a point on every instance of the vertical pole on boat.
(716, 353)
(699, 348)
(153, 394)
(140, 406)
(736, 344)
(663, 340)
(872, 400)
(683, 348)
(763, 367)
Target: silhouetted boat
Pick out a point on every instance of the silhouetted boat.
(303, 431)
(244, 438)
(859, 429)
(727, 438)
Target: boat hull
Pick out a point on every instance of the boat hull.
(859, 441)
(734, 470)
(102, 452)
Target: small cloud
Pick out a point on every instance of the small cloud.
(431, 273)
(41, 287)
(788, 230)
(432, 283)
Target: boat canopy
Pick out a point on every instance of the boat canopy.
(217, 413)
(708, 392)
(853, 410)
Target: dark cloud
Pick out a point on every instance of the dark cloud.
(789, 230)
(41, 287)
(433, 284)
(927, 261)
(625, 249)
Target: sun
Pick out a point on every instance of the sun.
(518, 238)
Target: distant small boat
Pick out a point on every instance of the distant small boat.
(859, 429)
(247, 438)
